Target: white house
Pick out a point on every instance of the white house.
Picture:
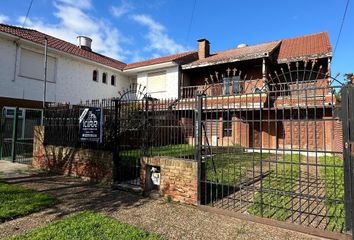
(161, 76)
(75, 72)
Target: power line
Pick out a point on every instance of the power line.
(341, 27)
(28, 10)
(191, 21)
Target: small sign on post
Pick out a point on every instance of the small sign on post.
(90, 122)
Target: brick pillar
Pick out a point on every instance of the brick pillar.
(38, 147)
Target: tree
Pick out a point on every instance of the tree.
(349, 77)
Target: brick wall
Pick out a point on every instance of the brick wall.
(322, 134)
(96, 165)
(178, 178)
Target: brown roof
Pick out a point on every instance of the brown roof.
(312, 45)
(61, 45)
(179, 58)
(237, 54)
(291, 49)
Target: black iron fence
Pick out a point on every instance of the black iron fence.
(62, 124)
(275, 153)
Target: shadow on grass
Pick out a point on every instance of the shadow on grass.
(74, 194)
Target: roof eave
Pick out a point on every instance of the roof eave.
(150, 67)
(305, 57)
(227, 60)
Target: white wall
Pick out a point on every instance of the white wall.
(73, 77)
(171, 82)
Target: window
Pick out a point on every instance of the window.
(95, 75)
(32, 65)
(236, 86)
(231, 85)
(104, 78)
(156, 82)
(113, 80)
(227, 125)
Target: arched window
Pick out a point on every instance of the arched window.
(95, 75)
(104, 78)
(113, 80)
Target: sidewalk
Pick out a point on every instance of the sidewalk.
(172, 220)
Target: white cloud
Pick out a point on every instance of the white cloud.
(157, 36)
(122, 9)
(3, 18)
(83, 4)
(75, 20)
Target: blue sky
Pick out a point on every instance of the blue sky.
(132, 30)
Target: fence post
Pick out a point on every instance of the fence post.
(2, 129)
(198, 143)
(145, 131)
(347, 97)
(14, 135)
(116, 147)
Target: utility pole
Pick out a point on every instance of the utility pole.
(45, 70)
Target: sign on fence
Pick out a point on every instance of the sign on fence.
(90, 122)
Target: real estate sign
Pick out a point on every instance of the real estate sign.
(90, 122)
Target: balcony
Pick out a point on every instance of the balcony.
(226, 88)
(317, 93)
(279, 95)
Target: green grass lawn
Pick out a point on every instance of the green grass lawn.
(18, 201)
(130, 159)
(333, 176)
(86, 225)
(232, 168)
(275, 199)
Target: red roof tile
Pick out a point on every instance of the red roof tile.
(178, 58)
(290, 49)
(304, 46)
(61, 45)
(235, 54)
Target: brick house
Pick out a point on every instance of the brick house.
(261, 105)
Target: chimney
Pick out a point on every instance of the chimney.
(203, 48)
(84, 42)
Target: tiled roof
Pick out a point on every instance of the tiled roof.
(236, 54)
(61, 45)
(178, 58)
(304, 46)
(290, 49)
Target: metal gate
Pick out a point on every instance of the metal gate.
(131, 122)
(277, 151)
(16, 133)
